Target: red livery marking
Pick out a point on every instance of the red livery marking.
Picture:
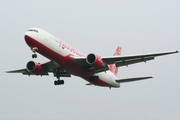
(64, 45)
(112, 67)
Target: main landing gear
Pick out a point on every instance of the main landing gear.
(58, 82)
(94, 78)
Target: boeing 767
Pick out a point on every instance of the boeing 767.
(66, 61)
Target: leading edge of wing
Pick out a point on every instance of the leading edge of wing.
(132, 79)
(113, 59)
(17, 71)
(25, 72)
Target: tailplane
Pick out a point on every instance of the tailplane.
(132, 79)
(112, 67)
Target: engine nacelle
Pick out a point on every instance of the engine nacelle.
(34, 67)
(94, 60)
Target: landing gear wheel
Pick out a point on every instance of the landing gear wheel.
(55, 82)
(34, 55)
(59, 82)
(62, 82)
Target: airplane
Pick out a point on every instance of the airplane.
(66, 61)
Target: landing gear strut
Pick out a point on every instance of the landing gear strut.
(58, 82)
(94, 78)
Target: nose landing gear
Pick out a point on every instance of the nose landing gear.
(34, 49)
(34, 55)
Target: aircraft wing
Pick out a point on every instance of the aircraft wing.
(49, 67)
(122, 60)
(114, 59)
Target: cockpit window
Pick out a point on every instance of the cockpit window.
(33, 30)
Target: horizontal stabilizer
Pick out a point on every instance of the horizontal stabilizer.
(132, 79)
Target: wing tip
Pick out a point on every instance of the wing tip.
(150, 77)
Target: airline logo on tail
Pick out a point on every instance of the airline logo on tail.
(113, 67)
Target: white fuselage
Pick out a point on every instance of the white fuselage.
(60, 53)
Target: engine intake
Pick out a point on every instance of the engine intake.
(94, 60)
(34, 67)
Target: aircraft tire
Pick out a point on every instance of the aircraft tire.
(62, 82)
(34, 56)
(59, 82)
(55, 83)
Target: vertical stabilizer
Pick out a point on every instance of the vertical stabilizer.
(112, 67)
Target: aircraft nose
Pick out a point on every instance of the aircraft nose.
(26, 35)
(30, 38)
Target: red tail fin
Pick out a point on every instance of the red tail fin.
(112, 67)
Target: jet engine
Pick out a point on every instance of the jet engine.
(94, 60)
(34, 67)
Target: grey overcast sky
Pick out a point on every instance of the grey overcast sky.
(98, 26)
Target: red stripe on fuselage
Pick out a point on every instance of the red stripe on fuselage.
(65, 62)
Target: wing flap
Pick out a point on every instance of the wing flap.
(132, 61)
(132, 79)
